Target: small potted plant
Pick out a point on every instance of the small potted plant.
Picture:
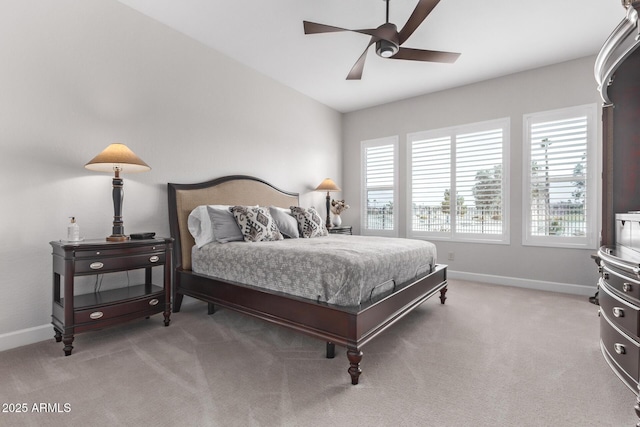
(337, 207)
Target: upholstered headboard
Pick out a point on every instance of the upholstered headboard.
(228, 190)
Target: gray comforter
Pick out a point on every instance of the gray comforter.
(336, 269)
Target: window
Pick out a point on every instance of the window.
(379, 177)
(559, 177)
(458, 183)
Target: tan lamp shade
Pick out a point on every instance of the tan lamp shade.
(328, 185)
(117, 157)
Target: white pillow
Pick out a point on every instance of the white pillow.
(202, 227)
(286, 223)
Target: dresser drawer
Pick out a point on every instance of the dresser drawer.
(150, 304)
(621, 282)
(624, 352)
(621, 313)
(106, 264)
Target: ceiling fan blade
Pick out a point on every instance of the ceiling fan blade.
(426, 55)
(315, 28)
(358, 67)
(419, 14)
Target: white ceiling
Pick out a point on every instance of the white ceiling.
(495, 37)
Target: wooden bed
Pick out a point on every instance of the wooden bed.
(348, 327)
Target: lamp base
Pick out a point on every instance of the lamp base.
(328, 220)
(117, 238)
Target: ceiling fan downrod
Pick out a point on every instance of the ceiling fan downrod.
(387, 10)
(387, 48)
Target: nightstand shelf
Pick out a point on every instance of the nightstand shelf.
(73, 313)
(113, 296)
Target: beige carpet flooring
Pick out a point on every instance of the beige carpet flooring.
(491, 356)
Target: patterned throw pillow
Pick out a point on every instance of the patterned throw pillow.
(310, 223)
(256, 223)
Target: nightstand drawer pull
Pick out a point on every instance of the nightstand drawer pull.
(619, 348)
(618, 312)
(96, 265)
(627, 287)
(96, 315)
(154, 258)
(154, 301)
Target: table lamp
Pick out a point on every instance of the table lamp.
(328, 185)
(117, 158)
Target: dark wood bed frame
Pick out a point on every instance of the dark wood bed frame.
(349, 327)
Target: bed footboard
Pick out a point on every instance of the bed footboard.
(348, 327)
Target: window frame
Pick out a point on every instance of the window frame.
(589, 241)
(364, 145)
(454, 235)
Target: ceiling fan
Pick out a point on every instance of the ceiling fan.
(388, 40)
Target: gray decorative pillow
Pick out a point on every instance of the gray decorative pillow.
(224, 224)
(287, 224)
(310, 223)
(256, 223)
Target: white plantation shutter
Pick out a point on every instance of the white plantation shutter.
(558, 170)
(380, 185)
(479, 181)
(430, 179)
(457, 185)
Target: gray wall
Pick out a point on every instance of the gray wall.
(79, 75)
(558, 86)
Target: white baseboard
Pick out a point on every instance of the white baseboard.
(565, 288)
(25, 336)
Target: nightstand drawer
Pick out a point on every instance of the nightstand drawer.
(106, 264)
(151, 304)
(621, 282)
(620, 312)
(107, 252)
(622, 350)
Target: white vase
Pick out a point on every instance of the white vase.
(336, 221)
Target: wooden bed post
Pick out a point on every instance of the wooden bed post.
(443, 291)
(177, 302)
(355, 356)
(331, 350)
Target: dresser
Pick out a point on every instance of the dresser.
(616, 70)
(73, 313)
(619, 298)
(619, 308)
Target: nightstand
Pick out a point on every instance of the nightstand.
(73, 314)
(343, 229)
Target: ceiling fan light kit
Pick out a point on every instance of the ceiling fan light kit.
(389, 41)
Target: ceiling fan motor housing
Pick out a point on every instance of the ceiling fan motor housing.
(386, 49)
(389, 42)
